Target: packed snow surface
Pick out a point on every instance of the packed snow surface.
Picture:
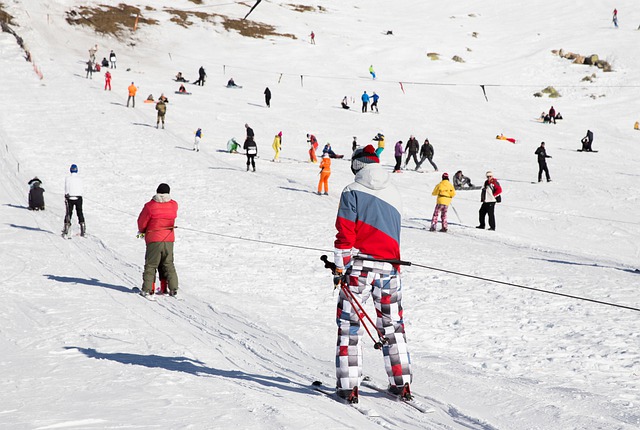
(255, 322)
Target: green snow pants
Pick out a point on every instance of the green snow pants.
(159, 255)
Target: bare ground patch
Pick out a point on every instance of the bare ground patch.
(5, 16)
(111, 20)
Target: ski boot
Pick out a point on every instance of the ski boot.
(404, 392)
(65, 230)
(83, 229)
(350, 395)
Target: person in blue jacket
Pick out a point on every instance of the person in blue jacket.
(374, 104)
(365, 101)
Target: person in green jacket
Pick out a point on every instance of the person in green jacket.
(445, 192)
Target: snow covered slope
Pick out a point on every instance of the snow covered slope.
(255, 323)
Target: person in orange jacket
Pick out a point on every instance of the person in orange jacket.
(325, 172)
(132, 94)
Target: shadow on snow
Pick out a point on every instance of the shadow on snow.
(92, 281)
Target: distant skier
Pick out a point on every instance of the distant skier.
(161, 107)
(426, 153)
(73, 199)
(251, 150)
(202, 75)
(490, 195)
(132, 94)
(250, 133)
(398, 151)
(313, 147)
(92, 53)
(107, 81)
(541, 152)
(231, 83)
(277, 146)
(112, 59)
(328, 150)
(105, 62)
(157, 223)
(89, 69)
(197, 139)
(313, 38)
(374, 104)
(345, 103)
(615, 17)
(233, 145)
(412, 149)
(372, 72)
(267, 97)
(587, 141)
(365, 101)
(325, 172)
(445, 191)
(552, 115)
(368, 224)
(354, 144)
(36, 195)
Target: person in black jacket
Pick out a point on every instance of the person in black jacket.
(587, 141)
(201, 76)
(412, 149)
(36, 195)
(267, 97)
(541, 152)
(251, 149)
(426, 153)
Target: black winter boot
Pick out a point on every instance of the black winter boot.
(83, 229)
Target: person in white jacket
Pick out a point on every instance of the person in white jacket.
(73, 198)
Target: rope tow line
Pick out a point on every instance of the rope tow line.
(407, 263)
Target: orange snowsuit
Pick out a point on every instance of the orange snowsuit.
(132, 90)
(325, 172)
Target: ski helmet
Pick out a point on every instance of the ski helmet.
(73, 168)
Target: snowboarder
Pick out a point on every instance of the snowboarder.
(73, 199)
(445, 192)
(365, 101)
(180, 78)
(313, 38)
(161, 107)
(426, 153)
(267, 97)
(233, 145)
(490, 195)
(132, 94)
(201, 76)
(541, 152)
(412, 149)
(251, 150)
(313, 147)
(328, 150)
(231, 83)
(368, 224)
(277, 146)
(36, 195)
(374, 104)
(112, 59)
(107, 81)
(398, 154)
(105, 62)
(587, 141)
(380, 139)
(325, 172)
(196, 141)
(460, 181)
(156, 223)
(371, 72)
(345, 103)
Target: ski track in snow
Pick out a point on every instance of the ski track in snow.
(254, 323)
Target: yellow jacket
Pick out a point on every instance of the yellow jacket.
(276, 143)
(445, 192)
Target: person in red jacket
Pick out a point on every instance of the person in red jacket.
(107, 81)
(157, 223)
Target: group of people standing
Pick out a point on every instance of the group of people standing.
(411, 149)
